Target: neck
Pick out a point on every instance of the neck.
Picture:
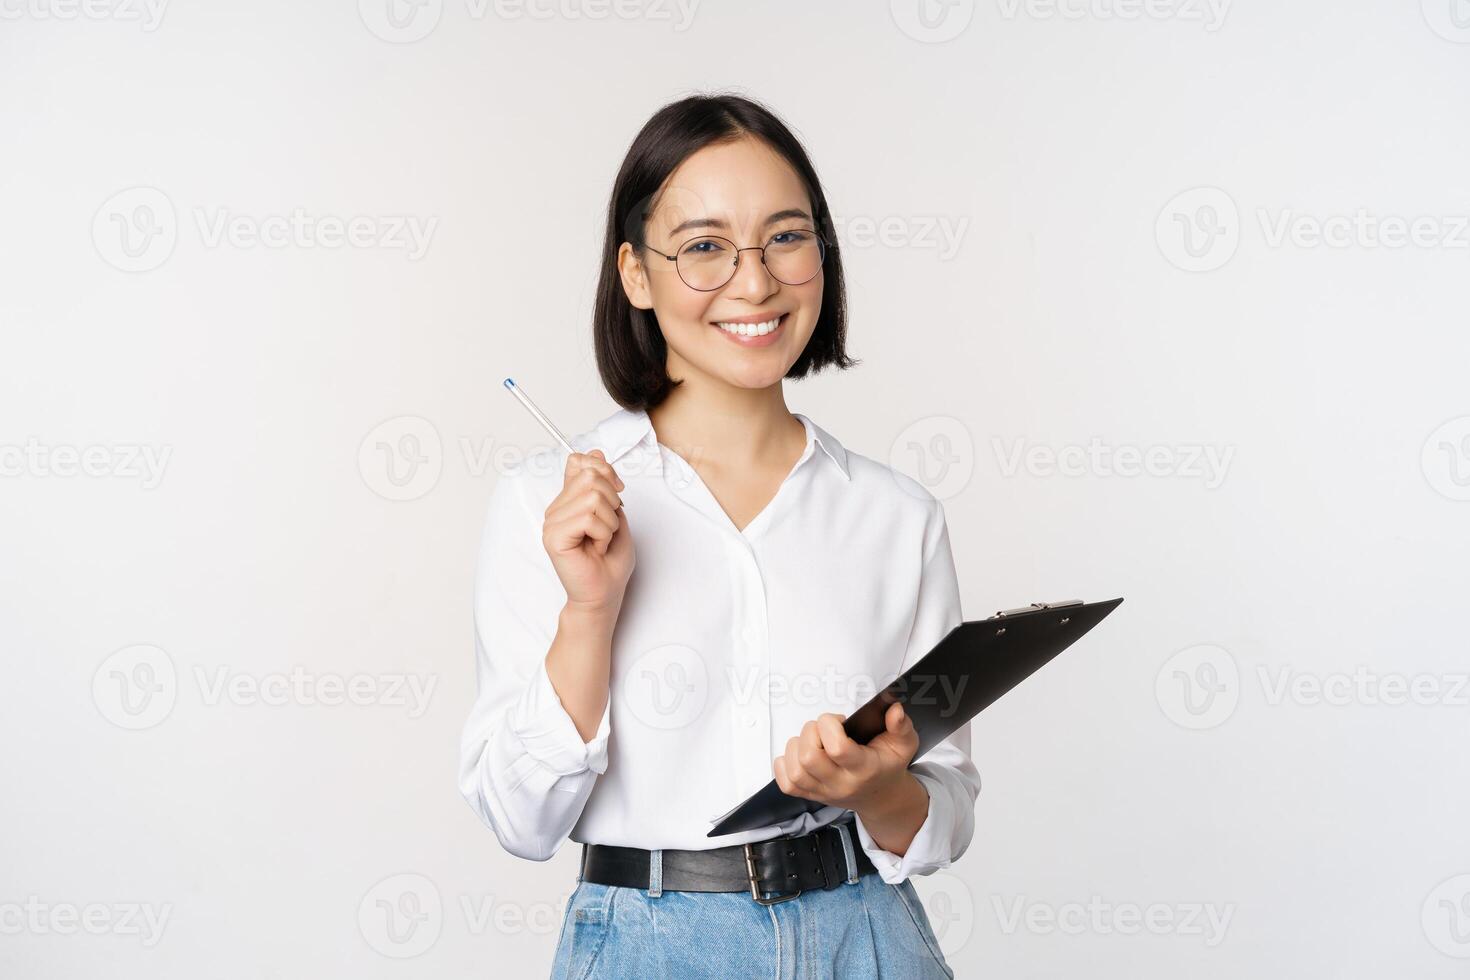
(736, 427)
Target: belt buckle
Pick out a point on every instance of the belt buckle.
(754, 877)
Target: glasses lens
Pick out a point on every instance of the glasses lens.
(794, 257)
(706, 263)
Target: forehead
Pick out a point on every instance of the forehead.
(740, 183)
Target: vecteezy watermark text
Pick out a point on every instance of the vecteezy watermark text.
(125, 461)
(1206, 463)
(37, 918)
(408, 21)
(137, 229)
(137, 687)
(148, 13)
(1205, 920)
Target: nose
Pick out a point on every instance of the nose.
(752, 280)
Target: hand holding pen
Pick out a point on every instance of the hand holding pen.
(585, 530)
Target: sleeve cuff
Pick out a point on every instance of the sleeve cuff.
(550, 736)
(929, 850)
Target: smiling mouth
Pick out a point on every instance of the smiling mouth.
(751, 329)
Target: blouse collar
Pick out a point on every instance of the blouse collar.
(627, 428)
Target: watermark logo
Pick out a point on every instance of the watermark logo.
(37, 918)
(400, 21)
(402, 458)
(1363, 230)
(405, 914)
(309, 689)
(1450, 19)
(1446, 917)
(146, 13)
(125, 461)
(1198, 230)
(1446, 459)
(829, 688)
(407, 233)
(401, 916)
(407, 21)
(1201, 686)
(942, 234)
(950, 905)
(1198, 687)
(932, 21)
(1209, 13)
(1362, 686)
(667, 687)
(1205, 463)
(938, 452)
(135, 230)
(678, 13)
(136, 687)
(1195, 920)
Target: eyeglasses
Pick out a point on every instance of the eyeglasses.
(708, 262)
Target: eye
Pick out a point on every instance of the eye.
(703, 246)
(796, 236)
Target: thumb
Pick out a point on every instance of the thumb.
(900, 729)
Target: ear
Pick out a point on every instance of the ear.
(635, 277)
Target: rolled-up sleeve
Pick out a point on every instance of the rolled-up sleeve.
(524, 767)
(946, 771)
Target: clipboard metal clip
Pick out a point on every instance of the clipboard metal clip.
(1059, 604)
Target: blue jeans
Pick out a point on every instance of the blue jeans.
(857, 931)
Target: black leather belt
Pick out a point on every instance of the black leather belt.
(769, 869)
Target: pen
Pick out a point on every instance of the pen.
(540, 416)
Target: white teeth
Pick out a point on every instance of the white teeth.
(750, 329)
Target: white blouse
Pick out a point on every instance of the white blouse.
(727, 643)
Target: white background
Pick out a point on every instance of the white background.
(1129, 194)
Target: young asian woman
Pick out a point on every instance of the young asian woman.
(643, 669)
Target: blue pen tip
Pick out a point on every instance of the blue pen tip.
(509, 383)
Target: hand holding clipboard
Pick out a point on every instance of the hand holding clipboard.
(968, 670)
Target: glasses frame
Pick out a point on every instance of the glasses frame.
(822, 244)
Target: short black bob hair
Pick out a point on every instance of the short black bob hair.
(631, 353)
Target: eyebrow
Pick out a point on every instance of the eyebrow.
(718, 223)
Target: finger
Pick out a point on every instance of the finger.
(578, 498)
(607, 468)
(593, 462)
(838, 745)
(603, 471)
(899, 724)
(899, 736)
(783, 781)
(812, 756)
(596, 522)
(791, 764)
(587, 479)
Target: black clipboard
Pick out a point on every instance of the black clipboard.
(968, 670)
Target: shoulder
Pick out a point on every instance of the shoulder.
(880, 478)
(913, 509)
(906, 509)
(880, 482)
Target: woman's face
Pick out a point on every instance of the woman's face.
(745, 192)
